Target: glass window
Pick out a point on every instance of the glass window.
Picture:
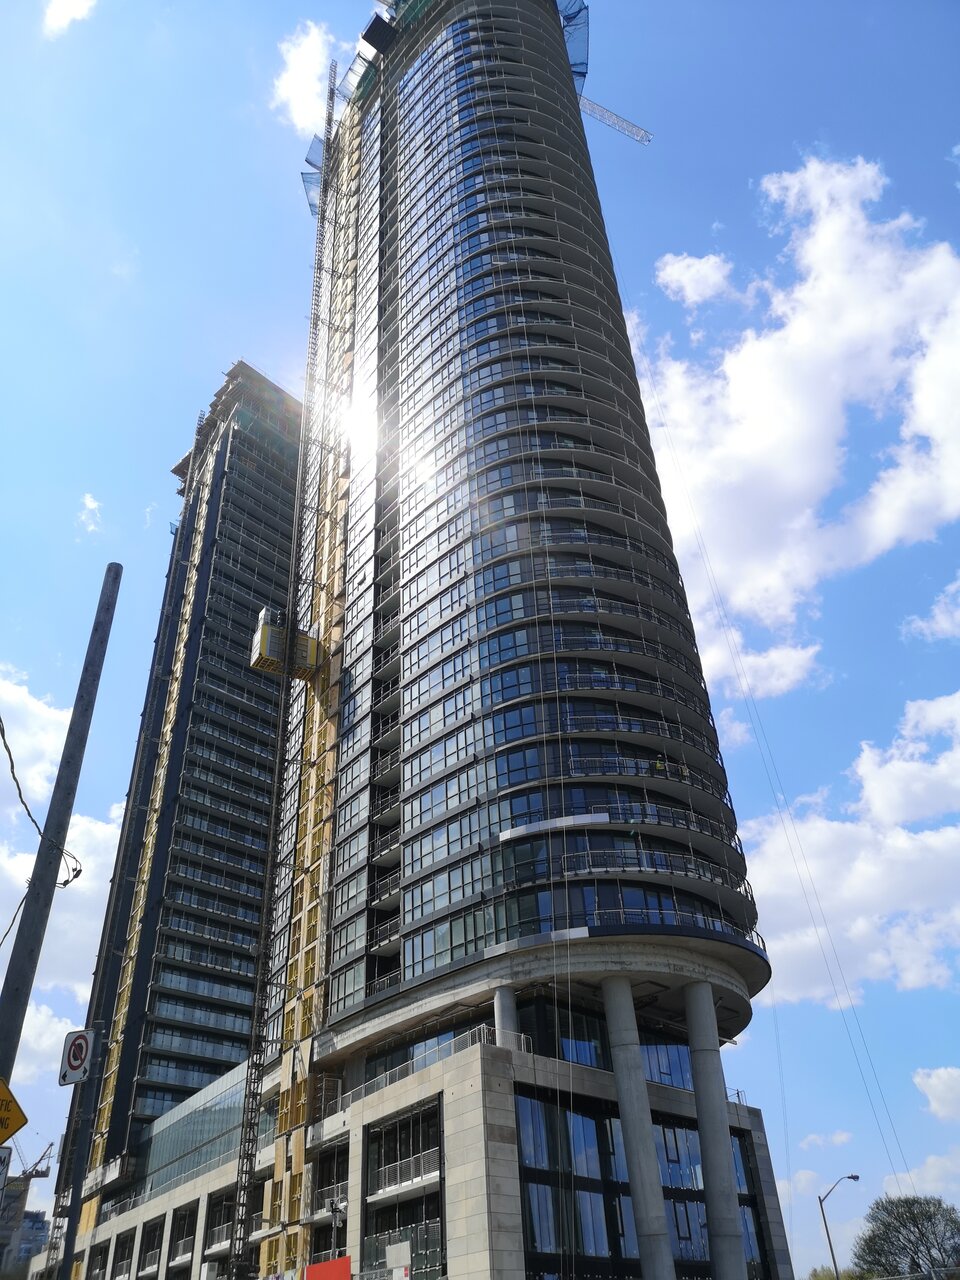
(532, 1129)
(591, 1225)
(740, 1163)
(628, 1228)
(584, 1147)
(540, 1203)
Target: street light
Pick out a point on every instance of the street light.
(852, 1177)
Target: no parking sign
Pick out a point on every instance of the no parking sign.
(77, 1053)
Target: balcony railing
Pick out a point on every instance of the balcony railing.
(386, 690)
(386, 762)
(219, 1234)
(660, 917)
(383, 933)
(650, 861)
(379, 985)
(181, 1249)
(639, 813)
(386, 800)
(483, 1034)
(323, 1195)
(412, 1169)
(425, 1242)
(384, 844)
(384, 888)
(658, 770)
(149, 1262)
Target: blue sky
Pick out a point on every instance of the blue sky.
(788, 255)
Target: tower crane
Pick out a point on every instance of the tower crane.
(605, 116)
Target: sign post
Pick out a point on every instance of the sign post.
(5, 1154)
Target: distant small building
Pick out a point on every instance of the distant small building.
(23, 1232)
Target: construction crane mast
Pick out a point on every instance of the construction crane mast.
(605, 116)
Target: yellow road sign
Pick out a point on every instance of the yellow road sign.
(12, 1118)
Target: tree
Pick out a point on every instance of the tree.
(907, 1235)
(826, 1273)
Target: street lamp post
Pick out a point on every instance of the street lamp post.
(852, 1177)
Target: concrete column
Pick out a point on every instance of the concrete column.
(355, 1185)
(505, 1016)
(199, 1238)
(727, 1260)
(643, 1169)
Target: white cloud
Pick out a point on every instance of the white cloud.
(73, 931)
(41, 1044)
(937, 1176)
(803, 1183)
(733, 732)
(879, 870)
(906, 782)
(862, 323)
(731, 665)
(839, 1138)
(941, 1088)
(691, 280)
(89, 517)
(35, 733)
(59, 14)
(943, 620)
(300, 90)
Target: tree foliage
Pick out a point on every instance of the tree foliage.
(826, 1273)
(907, 1235)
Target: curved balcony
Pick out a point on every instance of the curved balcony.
(654, 862)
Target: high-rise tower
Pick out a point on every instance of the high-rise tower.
(175, 974)
(512, 926)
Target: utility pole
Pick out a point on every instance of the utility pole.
(25, 955)
(81, 1149)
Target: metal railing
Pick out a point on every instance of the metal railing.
(384, 888)
(181, 1248)
(654, 862)
(382, 933)
(150, 1262)
(386, 763)
(425, 1240)
(321, 1197)
(615, 722)
(385, 657)
(409, 1170)
(484, 1034)
(664, 918)
(263, 1223)
(219, 1234)
(386, 801)
(384, 844)
(386, 690)
(658, 770)
(663, 815)
(639, 814)
(379, 985)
